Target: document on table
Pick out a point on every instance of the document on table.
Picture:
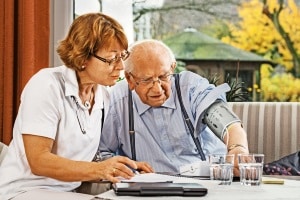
(150, 178)
(159, 178)
(200, 168)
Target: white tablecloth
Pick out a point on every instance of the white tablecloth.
(289, 190)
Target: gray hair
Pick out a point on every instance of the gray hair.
(140, 49)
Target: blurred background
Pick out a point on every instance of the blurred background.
(254, 44)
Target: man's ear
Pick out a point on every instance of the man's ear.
(129, 79)
(173, 66)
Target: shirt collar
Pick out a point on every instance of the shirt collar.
(71, 84)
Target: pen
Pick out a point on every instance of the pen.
(135, 171)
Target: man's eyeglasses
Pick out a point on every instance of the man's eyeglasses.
(116, 59)
(149, 82)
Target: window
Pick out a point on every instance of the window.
(61, 17)
(121, 10)
(63, 13)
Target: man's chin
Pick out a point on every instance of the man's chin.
(156, 103)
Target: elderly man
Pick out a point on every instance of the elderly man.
(147, 122)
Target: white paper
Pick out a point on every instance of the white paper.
(150, 178)
(200, 168)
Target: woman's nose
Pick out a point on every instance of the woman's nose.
(120, 65)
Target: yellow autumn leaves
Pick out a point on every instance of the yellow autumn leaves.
(256, 33)
(279, 87)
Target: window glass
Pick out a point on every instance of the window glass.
(84, 6)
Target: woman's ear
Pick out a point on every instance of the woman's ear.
(129, 79)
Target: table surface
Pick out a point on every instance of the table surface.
(289, 190)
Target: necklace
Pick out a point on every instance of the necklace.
(87, 103)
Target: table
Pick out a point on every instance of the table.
(289, 190)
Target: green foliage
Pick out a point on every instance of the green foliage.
(180, 66)
(213, 79)
(238, 91)
(217, 29)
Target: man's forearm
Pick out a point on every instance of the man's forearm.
(236, 137)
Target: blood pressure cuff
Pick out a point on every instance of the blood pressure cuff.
(218, 117)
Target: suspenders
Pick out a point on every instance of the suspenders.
(131, 125)
(187, 120)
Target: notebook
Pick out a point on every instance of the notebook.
(161, 177)
(159, 189)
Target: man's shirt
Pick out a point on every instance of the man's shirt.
(162, 137)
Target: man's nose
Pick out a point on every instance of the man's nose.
(158, 81)
(157, 85)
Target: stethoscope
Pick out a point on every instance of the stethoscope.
(77, 116)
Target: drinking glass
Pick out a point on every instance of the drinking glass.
(251, 168)
(221, 168)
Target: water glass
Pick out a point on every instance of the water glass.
(251, 168)
(221, 168)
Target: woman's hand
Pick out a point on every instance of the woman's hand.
(117, 166)
(120, 166)
(43, 162)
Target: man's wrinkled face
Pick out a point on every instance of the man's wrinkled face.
(151, 80)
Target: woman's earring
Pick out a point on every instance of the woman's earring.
(83, 67)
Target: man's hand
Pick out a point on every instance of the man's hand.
(237, 150)
(144, 167)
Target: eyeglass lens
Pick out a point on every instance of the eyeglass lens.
(114, 60)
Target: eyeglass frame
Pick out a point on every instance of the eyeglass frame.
(116, 59)
(151, 80)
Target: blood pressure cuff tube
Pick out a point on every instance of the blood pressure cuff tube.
(218, 117)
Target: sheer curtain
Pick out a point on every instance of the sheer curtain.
(24, 49)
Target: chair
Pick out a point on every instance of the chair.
(3, 150)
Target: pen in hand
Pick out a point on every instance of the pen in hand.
(135, 171)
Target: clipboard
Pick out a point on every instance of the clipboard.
(159, 189)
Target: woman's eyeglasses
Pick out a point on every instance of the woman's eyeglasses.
(116, 59)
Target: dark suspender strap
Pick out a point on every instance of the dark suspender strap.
(102, 119)
(187, 119)
(131, 125)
